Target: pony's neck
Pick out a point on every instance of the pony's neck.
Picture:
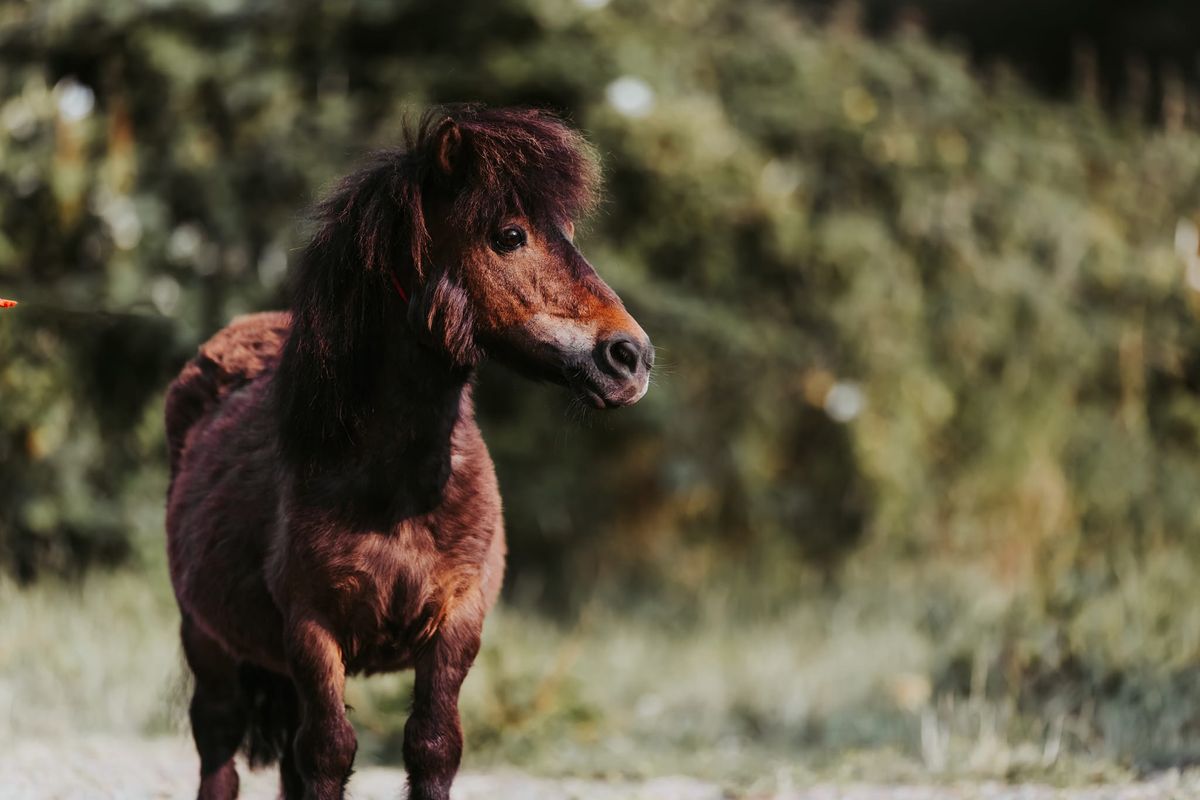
(400, 461)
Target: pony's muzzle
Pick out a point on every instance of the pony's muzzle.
(624, 364)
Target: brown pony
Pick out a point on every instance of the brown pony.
(333, 509)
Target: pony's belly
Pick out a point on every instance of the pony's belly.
(386, 655)
(239, 614)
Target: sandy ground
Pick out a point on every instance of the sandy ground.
(100, 769)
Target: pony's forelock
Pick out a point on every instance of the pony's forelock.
(522, 160)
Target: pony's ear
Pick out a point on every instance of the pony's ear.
(447, 146)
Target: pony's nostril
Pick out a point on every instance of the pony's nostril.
(627, 354)
(622, 357)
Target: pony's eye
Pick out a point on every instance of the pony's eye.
(508, 239)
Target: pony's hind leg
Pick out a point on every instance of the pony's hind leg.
(274, 714)
(291, 783)
(217, 712)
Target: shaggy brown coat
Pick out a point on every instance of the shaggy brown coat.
(333, 508)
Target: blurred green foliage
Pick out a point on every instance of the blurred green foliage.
(907, 315)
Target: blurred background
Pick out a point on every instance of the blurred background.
(916, 488)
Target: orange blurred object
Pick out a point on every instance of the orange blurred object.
(7, 303)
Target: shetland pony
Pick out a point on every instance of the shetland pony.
(332, 508)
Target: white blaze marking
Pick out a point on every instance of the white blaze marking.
(568, 335)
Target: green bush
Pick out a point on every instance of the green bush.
(805, 218)
(907, 316)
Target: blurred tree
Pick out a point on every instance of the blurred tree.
(1137, 54)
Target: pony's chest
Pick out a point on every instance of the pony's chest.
(393, 601)
(385, 602)
(386, 593)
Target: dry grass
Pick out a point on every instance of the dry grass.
(99, 656)
(839, 687)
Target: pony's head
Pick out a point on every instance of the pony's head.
(465, 237)
(502, 274)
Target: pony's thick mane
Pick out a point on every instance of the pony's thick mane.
(474, 165)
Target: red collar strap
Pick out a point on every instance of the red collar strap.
(399, 289)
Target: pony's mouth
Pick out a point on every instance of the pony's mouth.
(600, 397)
(593, 397)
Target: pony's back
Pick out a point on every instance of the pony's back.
(236, 355)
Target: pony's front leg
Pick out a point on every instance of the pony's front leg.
(433, 737)
(325, 742)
